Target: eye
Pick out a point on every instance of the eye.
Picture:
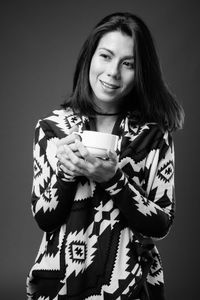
(105, 56)
(129, 65)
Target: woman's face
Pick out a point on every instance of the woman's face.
(112, 71)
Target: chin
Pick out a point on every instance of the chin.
(107, 98)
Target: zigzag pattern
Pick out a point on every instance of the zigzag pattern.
(88, 248)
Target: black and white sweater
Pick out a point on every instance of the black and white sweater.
(87, 248)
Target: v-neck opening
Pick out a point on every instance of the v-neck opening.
(115, 129)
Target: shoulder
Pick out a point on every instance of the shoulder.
(146, 137)
(59, 121)
(143, 144)
(153, 133)
(64, 117)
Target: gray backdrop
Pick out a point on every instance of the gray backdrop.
(40, 41)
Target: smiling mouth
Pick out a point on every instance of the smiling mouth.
(109, 85)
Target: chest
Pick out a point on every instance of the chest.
(105, 124)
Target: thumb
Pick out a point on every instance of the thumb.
(112, 155)
(73, 129)
(69, 138)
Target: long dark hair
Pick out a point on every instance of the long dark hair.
(150, 99)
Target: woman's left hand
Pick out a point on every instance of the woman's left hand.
(97, 169)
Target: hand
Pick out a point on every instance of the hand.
(68, 140)
(61, 153)
(87, 165)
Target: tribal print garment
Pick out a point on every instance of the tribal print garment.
(88, 246)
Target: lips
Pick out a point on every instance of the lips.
(109, 85)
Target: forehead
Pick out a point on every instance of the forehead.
(117, 42)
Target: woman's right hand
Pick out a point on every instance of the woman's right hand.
(62, 155)
(68, 140)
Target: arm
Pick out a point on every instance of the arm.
(148, 210)
(52, 196)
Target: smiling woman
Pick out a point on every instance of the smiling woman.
(100, 216)
(112, 71)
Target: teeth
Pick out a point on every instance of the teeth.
(110, 86)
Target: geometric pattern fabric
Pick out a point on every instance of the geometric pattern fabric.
(88, 246)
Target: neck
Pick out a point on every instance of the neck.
(107, 114)
(105, 122)
(106, 109)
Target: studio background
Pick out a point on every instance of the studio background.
(40, 42)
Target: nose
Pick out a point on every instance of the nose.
(113, 70)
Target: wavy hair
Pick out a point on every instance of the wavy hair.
(149, 99)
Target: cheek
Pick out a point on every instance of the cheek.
(91, 76)
(95, 67)
(129, 81)
(92, 73)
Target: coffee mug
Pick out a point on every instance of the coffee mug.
(98, 143)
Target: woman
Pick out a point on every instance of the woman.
(98, 215)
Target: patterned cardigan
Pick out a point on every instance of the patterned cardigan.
(87, 250)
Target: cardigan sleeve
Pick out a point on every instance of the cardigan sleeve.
(52, 196)
(148, 208)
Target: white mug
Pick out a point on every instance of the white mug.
(98, 143)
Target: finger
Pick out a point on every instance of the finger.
(78, 164)
(73, 129)
(74, 148)
(69, 168)
(67, 171)
(61, 150)
(71, 155)
(112, 155)
(84, 152)
(70, 138)
(66, 140)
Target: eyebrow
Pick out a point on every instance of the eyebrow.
(111, 52)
